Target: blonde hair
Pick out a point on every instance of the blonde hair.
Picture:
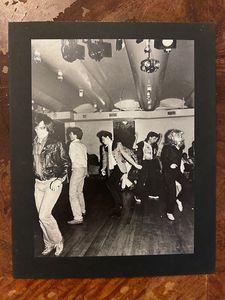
(172, 135)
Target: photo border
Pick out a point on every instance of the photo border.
(25, 265)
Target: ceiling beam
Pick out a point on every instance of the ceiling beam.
(47, 101)
(132, 54)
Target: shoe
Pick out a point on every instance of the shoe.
(153, 197)
(179, 204)
(75, 222)
(58, 248)
(138, 201)
(47, 250)
(131, 187)
(170, 217)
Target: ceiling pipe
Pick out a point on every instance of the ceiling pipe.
(161, 77)
(142, 79)
(135, 69)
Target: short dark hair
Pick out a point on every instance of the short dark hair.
(76, 131)
(37, 118)
(152, 134)
(104, 133)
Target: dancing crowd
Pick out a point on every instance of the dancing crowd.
(125, 165)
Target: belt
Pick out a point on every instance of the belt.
(43, 181)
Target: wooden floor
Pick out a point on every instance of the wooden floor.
(143, 229)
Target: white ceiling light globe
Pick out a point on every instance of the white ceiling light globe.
(167, 43)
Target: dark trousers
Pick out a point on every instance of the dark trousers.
(140, 189)
(153, 183)
(170, 177)
(113, 184)
(149, 180)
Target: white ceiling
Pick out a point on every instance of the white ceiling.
(107, 81)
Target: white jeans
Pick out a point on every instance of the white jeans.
(45, 200)
(76, 192)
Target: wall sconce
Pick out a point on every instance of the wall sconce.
(37, 57)
(149, 87)
(81, 93)
(95, 107)
(60, 75)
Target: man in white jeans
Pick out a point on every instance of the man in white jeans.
(51, 165)
(78, 156)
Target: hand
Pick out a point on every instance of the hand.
(103, 172)
(173, 166)
(139, 167)
(54, 185)
(108, 141)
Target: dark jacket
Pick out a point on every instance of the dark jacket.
(191, 152)
(170, 155)
(54, 160)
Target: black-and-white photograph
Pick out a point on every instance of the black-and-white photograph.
(113, 146)
(112, 136)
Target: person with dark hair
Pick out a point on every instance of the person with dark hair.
(191, 152)
(171, 162)
(149, 176)
(116, 164)
(103, 134)
(50, 165)
(104, 152)
(188, 166)
(78, 157)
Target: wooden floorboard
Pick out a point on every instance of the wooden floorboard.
(142, 229)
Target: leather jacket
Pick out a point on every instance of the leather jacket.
(54, 160)
(171, 155)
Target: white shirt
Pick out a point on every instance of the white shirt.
(147, 151)
(78, 154)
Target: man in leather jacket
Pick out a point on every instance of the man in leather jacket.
(50, 168)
